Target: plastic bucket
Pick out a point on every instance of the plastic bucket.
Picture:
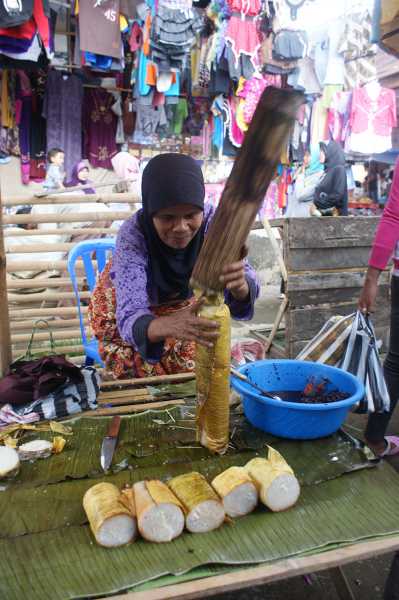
(291, 419)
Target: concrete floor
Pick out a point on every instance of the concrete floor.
(366, 578)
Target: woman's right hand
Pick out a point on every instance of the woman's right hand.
(369, 292)
(185, 325)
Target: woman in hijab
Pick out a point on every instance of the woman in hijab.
(142, 311)
(80, 176)
(127, 167)
(304, 184)
(331, 195)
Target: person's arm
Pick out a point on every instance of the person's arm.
(137, 325)
(386, 238)
(307, 192)
(242, 289)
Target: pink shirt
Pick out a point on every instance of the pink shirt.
(386, 241)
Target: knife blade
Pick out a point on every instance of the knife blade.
(109, 443)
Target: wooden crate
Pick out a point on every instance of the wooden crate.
(326, 260)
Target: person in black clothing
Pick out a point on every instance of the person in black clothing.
(332, 191)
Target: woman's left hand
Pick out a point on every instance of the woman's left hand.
(234, 280)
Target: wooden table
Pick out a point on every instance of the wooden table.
(267, 573)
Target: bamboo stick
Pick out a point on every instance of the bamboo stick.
(110, 198)
(155, 379)
(127, 410)
(47, 282)
(137, 393)
(45, 296)
(126, 401)
(44, 313)
(61, 324)
(59, 350)
(40, 247)
(14, 232)
(5, 338)
(77, 188)
(70, 334)
(14, 266)
(90, 217)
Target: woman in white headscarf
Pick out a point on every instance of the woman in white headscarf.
(127, 167)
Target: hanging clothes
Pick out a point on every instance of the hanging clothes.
(62, 108)
(99, 128)
(358, 51)
(99, 31)
(373, 116)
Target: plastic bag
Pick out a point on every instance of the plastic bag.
(328, 346)
(362, 360)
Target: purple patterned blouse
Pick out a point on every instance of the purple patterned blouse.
(131, 277)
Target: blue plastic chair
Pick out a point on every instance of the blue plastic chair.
(85, 251)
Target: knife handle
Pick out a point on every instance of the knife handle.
(113, 428)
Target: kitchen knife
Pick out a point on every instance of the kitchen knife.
(109, 443)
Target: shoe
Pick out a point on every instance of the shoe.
(392, 446)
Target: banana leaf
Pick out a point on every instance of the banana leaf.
(66, 563)
(168, 439)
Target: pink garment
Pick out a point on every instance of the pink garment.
(236, 134)
(338, 116)
(246, 7)
(126, 166)
(252, 91)
(379, 114)
(244, 38)
(387, 236)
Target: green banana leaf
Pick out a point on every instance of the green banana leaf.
(167, 439)
(66, 563)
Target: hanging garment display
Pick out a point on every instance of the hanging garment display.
(99, 128)
(99, 31)
(373, 115)
(358, 51)
(62, 109)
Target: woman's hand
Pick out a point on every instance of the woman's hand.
(369, 292)
(185, 325)
(234, 280)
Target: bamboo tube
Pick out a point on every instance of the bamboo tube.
(237, 490)
(127, 410)
(72, 218)
(5, 340)
(155, 379)
(111, 522)
(276, 482)
(212, 366)
(109, 198)
(44, 313)
(160, 516)
(14, 232)
(45, 296)
(246, 186)
(203, 508)
(21, 284)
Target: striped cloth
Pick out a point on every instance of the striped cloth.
(359, 53)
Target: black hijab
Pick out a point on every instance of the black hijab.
(169, 180)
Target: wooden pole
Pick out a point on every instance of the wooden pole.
(126, 198)
(5, 337)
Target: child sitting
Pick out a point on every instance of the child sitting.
(55, 171)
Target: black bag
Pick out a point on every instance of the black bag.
(30, 379)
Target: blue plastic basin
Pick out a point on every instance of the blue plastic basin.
(290, 419)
